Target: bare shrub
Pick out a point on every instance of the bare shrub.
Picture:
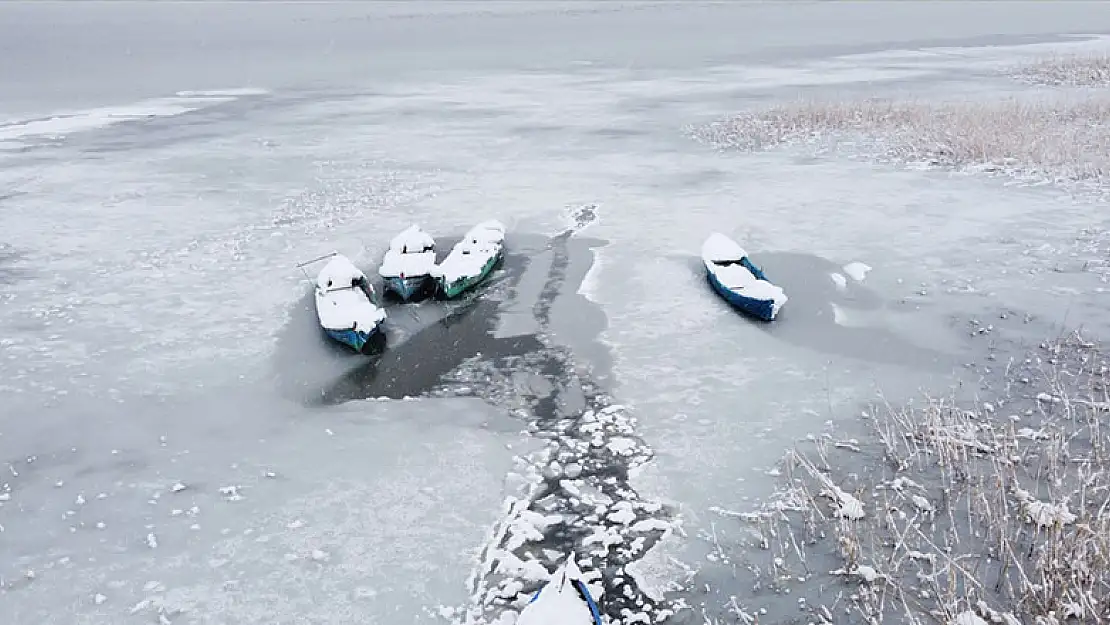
(967, 517)
(1077, 70)
(1056, 140)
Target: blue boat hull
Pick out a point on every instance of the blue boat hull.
(357, 340)
(759, 308)
(406, 288)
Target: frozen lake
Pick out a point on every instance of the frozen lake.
(178, 439)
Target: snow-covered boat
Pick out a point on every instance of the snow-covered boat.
(564, 600)
(472, 259)
(407, 263)
(345, 304)
(735, 278)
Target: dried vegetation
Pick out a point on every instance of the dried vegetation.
(1060, 139)
(1000, 514)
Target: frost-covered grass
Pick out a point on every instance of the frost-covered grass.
(1060, 140)
(1077, 70)
(995, 514)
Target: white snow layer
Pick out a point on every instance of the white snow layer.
(411, 254)
(66, 123)
(559, 602)
(469, 255)
(339, 304)
(719, 248)
(857, 270)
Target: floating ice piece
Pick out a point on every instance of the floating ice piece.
(839, 280)
(867, 573)
(231, 493)
(847, 506)
(857, 270)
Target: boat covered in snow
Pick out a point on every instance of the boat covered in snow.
(564, 600)
(345, 304)
(740, 282)
(472, 259)
(407, 263)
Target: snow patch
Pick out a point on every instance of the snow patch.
(478, 245)
(857, 270)
(411, 254)
(591, 280)
(340, 303)
(61, 125)
(719, 249)
(231, 93)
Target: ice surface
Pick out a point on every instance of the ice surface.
(58, 125)
(477, 246)
(144, 290)
(411, 253)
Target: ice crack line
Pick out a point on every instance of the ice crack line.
(574, 494)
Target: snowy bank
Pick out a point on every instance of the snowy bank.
(1061, 140)
(992, 512)
(1074, 70)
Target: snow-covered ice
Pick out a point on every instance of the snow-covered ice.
(154, 203)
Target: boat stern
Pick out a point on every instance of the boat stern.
(405, 287)
(359, 340)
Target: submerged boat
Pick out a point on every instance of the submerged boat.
(739, 281)
(472, 259)
(407, 263)
(346, 304)
(564, 600)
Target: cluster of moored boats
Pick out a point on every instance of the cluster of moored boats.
(347, 305)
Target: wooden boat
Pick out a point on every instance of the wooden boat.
(564, 600)
(346, 304)
(407, 263)
(472, 259)
(739, 281)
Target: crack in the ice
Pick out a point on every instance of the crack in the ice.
(577, 498)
